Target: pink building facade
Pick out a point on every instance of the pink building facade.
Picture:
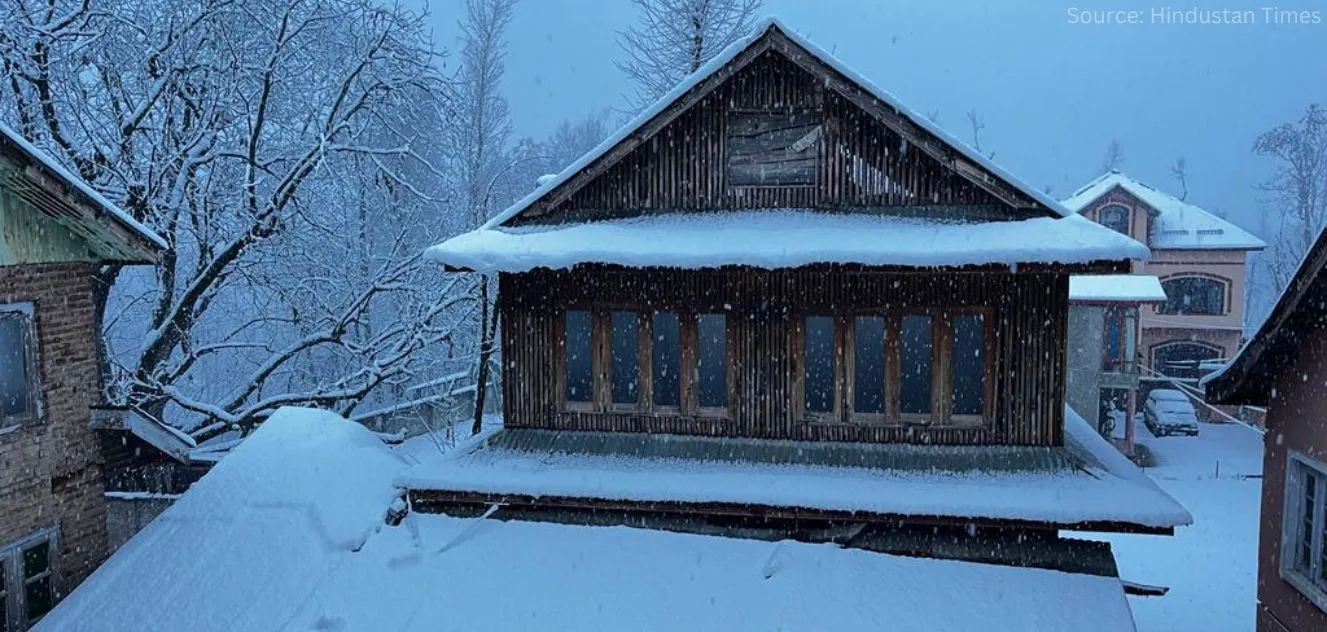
(1201, 260)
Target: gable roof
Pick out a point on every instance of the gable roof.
(1178, 224)
(1250, 377)
(110, 232)
(968, 163)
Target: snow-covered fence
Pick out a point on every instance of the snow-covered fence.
(434, 405)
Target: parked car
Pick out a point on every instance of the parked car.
(1165, 414)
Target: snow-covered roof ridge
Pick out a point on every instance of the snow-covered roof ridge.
(1116, 288)
(78, 183)
(784, 238)
(720, 60)
(1179, 224)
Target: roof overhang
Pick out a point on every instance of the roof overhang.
(111, 234)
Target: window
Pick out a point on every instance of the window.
(1114, 217)
(1198, 295)
(820, 369)
(27, 576)
(1183, 359)
(624, 350)
(666, 360)
(968, 396)
(1304, 528)
(896, 367)
(868, 365)
(645, 362)
(19, 403)
(769, 149)
(1119, 339)
(579, 376)
(711, 361)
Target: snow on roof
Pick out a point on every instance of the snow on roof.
(1097, 489)
(722, 59)
(74, 181)
(784, 238)
(288, 534)
(1116, 288)
(1179, 225)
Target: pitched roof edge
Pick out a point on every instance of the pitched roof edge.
(108, 208)
(720, 61)
(1232, 384)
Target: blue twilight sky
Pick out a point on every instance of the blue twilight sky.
(1052, 93)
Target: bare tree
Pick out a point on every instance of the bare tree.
(674, 38)
(238, 129)
(1180, 171)
(484, 128)
(978, 124)
(1297, 190)
(1114, 158)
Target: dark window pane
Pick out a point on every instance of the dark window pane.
(820, 364)
(969, 364)
(36, 560)
(1304, 543)
(1115, 218)
(915, 365)
(1182, 359)
(666, 359)
(711, 360)
(13, 366)
(868, 364)
(38, 598)
(624, 357)
(1193, 295)
(580, 379)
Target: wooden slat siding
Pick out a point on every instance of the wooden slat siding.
(682, 167)
(763, 310)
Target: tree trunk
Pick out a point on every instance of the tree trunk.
(488, 329)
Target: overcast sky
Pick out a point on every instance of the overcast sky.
(1052, 93)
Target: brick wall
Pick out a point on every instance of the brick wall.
(52, 473)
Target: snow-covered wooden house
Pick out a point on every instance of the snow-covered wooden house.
(779, 303)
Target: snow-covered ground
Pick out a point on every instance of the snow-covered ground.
(1211, 566)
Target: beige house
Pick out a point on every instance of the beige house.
(1200, 259)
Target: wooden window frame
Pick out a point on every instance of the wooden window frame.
(1308, 581)
(25, 312)
(942, 382)
(601, 364)
(11, 555)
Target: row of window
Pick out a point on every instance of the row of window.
(27, 571)
(686, 356)
(877, 367)
(895, 367)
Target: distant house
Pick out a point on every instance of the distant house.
(1200, 259)
(1284, 368)
(780, 304)
(54, 232)
(1103, 347)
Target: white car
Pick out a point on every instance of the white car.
(1165, 414)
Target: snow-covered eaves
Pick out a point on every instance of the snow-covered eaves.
(783, 239)
(289, 534)
(1115, 288)
(170, 441)
(1078, 487)
(547, 184)
(108, 228)
(1178, 225)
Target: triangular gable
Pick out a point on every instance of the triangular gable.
(902, 160)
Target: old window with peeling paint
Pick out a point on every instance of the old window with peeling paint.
(773, 149)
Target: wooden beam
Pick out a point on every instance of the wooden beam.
(438, 501)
